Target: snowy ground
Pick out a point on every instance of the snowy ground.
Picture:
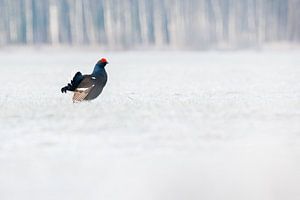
(168, 126)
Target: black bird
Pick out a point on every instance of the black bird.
(88, 87)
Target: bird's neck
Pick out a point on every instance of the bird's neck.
(98, 69)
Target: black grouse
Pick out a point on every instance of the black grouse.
(88, 87)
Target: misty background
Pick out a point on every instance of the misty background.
(126, 24)
(210, 110)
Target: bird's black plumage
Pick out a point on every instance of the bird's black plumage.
(74, 83)
(88, 87)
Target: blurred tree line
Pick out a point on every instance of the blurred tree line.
(191, 24)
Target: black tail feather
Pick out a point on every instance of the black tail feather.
(74, 83)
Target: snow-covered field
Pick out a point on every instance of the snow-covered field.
(168, 126)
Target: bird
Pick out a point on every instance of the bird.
(88, 87)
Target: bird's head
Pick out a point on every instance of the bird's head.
(102, 62)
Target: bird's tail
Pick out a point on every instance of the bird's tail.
(74, 83)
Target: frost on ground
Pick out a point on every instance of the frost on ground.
(169, 125)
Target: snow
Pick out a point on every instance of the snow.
(168, 125)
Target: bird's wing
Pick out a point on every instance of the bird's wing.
(83, 89)
(80, 95)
